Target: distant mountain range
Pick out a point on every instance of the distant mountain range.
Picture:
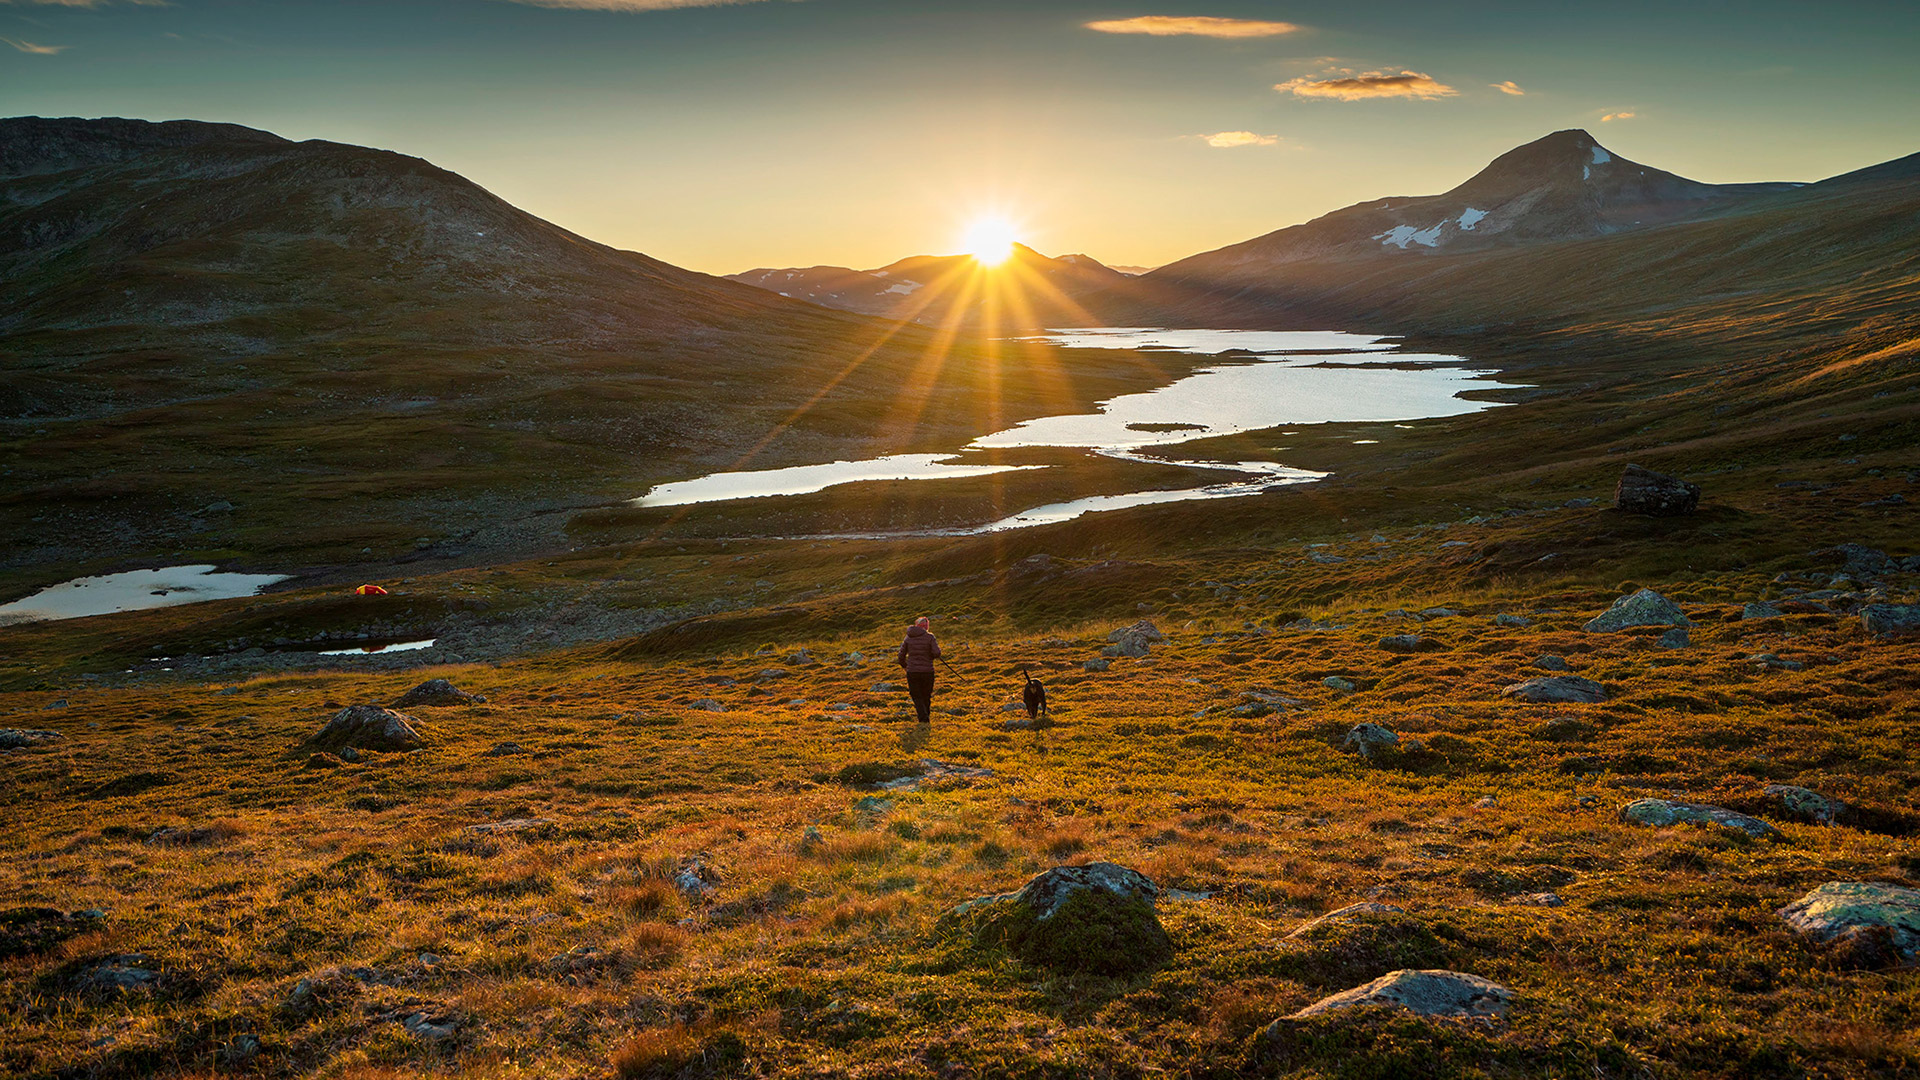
(934, 288)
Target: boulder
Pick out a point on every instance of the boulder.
(1804, 804)
(695, 878)
(436, 692)
(1401, 643)
(1346, 915)
(1858, 560)
(1369, 739)
(16, 738)
(1098, 664)
(1557, 690)
(1890, 618)
(708, 705)
(1643, 491)
(1644, 608)
(1778, 663)
(1659, 813)
(1761, 610)
(1133, 640)
(1096, 918)
(1512, 620)
(367, 727)
(1550, 663)
(1337, 684)
(1856, 913)
(1675, 638)
(1449, 995)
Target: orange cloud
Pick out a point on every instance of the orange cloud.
(1192, 25)
(1227, 140)
(1509, 87)
(30, 47)
(1618, 116)
(1372, 84)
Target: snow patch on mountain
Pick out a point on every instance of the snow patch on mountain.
(1600, 156)
(904, 287)
(1401, 235)
(1471, 217)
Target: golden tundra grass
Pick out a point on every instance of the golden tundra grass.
(316, 910)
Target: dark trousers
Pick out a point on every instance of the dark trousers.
(920, 689)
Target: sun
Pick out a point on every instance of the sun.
(989, 240)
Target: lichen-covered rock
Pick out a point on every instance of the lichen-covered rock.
(1369, 739)
(1804, 803)
(1133, 640)
(1644, 608)
(1098, 664)
(1450, 995)
(1659, 813)
(367, 727)
(1096, 918)
(1402, 643)
(1860, 909)
(1557, 690)
(1890, 618)
(436, 692)
(1345, 915)
(1643, 491)
(15, 738)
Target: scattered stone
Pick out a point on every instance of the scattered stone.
(1485, 802)
(430, 1028)
(708, 704)
(503, 749)
(1100, 664)
(1804, 803)
(1096, 918)
(695, 878)
(887, 688)
(436, 692)
(1858, 560)
(1644, 608)
(1675, 638)
(1769, 660)
(120, 974)
(801, 657)
(1660, 813)
(1557, 690)
(1438, 613)
(367, 727)
(1368, 739)
(1760, 610)
(579, 960)
(1857, 916)
(1337, 684)
(1539, 899)
(1450, 995)
(1550, 663)
(240, 1049)
(1346, 915)
(1643, 491)
(810, 840)
(1402, 643)
(510, 825)
(1885, 619)
(872, 805)
(853, 659)
(1512, 620)
(60, 704)
(1577, 504)
(16, 738)
(767, 675)
(1133, 640)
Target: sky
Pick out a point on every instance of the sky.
(756, 133)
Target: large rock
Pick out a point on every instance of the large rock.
(1643, 491)
(1556, 690)
(1096, 918)
(1804, 803)
(436, 692)
(1859, 560)
(367, 727)
(1659, 813)
(1133, 640)
(1859, 912)
(15, 738)
(1369, 739)
(1450, 995)
(1890, 618)
(1644, 608)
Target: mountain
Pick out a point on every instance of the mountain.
(1559, 232)
(357, 355)
(934, 289)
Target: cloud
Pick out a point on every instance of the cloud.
(1509, 87)
(1612, 116)
(1192, 25)
(30, 47)
(631, 5)
(1226, 140)
(1371, 84)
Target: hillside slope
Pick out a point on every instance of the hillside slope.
(947, 289)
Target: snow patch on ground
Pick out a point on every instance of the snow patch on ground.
(1401, 235)
(1586, 172)
(1600, 157)
(879, 273)
(1471, 217)
(904, 288)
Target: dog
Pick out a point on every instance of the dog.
(1035, 697)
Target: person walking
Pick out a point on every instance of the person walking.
(917, 655)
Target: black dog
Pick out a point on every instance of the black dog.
(1035, 697)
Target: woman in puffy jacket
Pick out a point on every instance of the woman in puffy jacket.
(917, 655)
